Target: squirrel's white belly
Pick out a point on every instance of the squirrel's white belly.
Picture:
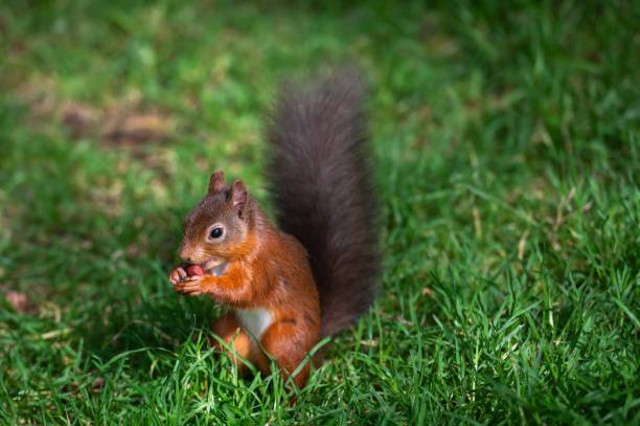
(255, 321)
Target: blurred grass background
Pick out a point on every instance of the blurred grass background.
(508, 162)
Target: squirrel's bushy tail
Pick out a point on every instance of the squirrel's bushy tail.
(320, 177)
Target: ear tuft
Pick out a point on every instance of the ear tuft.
(216, 182)
(239, 196)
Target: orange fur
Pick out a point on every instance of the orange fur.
(229, 330)
(268, 270)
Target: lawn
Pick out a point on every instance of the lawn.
(507, 152)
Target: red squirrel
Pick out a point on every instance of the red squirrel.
(316, 272)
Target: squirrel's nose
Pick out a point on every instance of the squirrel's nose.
(185, 255)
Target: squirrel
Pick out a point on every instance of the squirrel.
(318, 271)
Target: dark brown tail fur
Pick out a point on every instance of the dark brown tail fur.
(320, 177)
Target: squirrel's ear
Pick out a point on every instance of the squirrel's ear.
(239, 196)
(216, 182)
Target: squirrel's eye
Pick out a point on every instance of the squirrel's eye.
(216, 233)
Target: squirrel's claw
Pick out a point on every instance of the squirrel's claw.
(177, 275)
(193, 278)
(190, 286)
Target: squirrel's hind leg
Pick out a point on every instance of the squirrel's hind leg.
(288, 345)
(229, 329)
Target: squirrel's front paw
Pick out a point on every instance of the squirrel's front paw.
(177, 275)
(191, 286)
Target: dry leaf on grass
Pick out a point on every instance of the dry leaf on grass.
(79, 119)
(426, 291)
(136, 128)
(19, 301)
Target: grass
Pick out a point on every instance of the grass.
(507, 144)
